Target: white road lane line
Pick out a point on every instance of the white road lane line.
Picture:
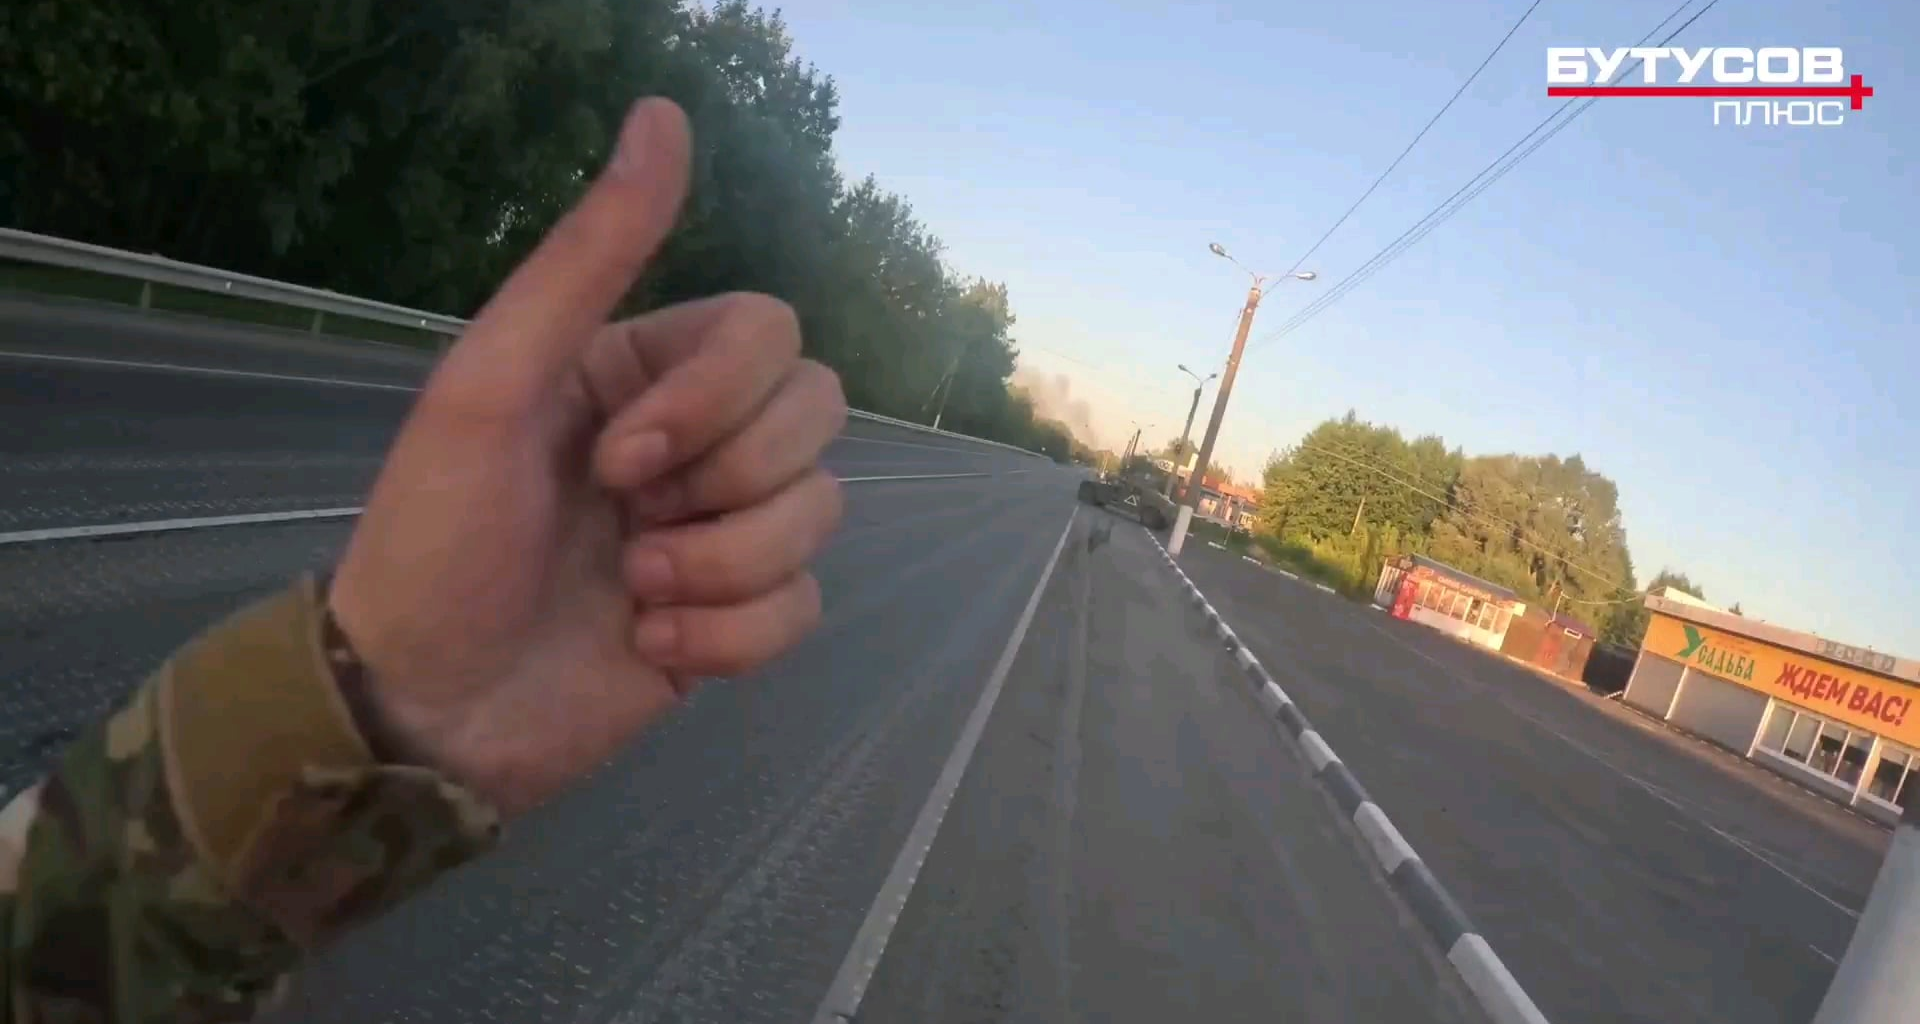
(863, 957)
(257, 518)
(206, 371)
(911, 476)
(916, 444)
(1695, 816)
(169, 525)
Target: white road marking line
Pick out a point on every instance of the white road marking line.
(916, 444)
(1824, 955)
(168, 525)
(208, 371)
(295, 378)
(910, 476)
(1652, 790)
(843, 997)
(297, 515)
(1485, 975)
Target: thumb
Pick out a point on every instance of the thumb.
(538, 323)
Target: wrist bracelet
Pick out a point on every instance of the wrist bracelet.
(352, 678)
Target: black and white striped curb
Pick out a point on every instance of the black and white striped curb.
(1485, 976)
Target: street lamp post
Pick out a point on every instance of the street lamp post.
(1187, 431)
(1133, 445)
(1196, 481)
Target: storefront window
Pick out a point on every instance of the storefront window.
(1829, 748)
(1777, 725)
(1800, 736)
(1464, 606)
(1501, 623)
(1853, 759)
(1826, 749)
(1891, 778)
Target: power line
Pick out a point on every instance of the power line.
(1466, 193)
(1416, 139)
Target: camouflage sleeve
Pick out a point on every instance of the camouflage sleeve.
(185, 852)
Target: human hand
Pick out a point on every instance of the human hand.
(578, 518)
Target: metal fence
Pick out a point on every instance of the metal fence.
(150, 270)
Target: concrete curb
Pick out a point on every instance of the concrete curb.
(1437, 911)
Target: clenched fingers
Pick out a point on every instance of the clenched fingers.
(804, 415)
(782, 442)
(728, 640)
(726, 376)
(738, 555)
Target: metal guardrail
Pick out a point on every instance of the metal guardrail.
(149, 270)
(28, 247)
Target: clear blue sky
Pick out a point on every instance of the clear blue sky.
(1721, 320)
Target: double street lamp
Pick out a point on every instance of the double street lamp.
(1179, 453)
(1196, 481)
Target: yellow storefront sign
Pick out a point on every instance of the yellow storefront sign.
(1824, 687)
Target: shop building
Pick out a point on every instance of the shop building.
(1840, 720)
(1228, 504)
(1466, 607)
(1436, 595)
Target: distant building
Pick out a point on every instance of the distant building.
(1457, 603)
(1464, 606)
(1228, 504)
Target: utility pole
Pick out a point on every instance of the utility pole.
(948, 380)
(1196, 481)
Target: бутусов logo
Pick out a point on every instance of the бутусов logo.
(1797, 86)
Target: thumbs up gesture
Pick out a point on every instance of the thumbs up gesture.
(578, 518)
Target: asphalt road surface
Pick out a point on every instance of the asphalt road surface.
(101, 423)
(1130, 842)
(717, 869)
(1134, 842)
(1622, 872)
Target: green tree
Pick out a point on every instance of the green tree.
(414, 151)
(1314, 489)
(1354, 493)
